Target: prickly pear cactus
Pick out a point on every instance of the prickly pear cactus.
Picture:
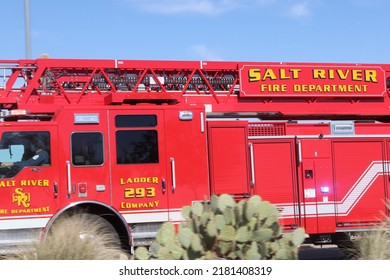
(225, 229)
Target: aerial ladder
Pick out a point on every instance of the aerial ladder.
(41, 86)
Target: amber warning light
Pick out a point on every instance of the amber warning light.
(12, 113)
(305, 80)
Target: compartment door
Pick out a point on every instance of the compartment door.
(359, 177)
(229, 161)
(275, 177)
(317, 186)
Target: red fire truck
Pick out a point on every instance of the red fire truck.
(132, 142)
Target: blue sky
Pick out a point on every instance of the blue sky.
(354, 31)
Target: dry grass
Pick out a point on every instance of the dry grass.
(375, 245)
(66, 243)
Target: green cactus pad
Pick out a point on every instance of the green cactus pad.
(197, 208)
(166, 234)
(262, 235)
(224, 201)
(211, 228)
(204, 219)
(298, 236)
(228, 214)
(177, 252)
(224, 247)
(251, 210)
(228, 233)
(141, 253)
(214, 203)
(255, 200)
(185, 236)
(196, 243)
(153, 248)
(186, 212)
(252, 253)
(164, 254)
(243, 234)
(219, 221)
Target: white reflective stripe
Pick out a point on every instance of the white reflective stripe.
(146, 217)
(175, 215)
(344, 207)
(360, 188)
(136, 216)
(23, 223)
(347, 203)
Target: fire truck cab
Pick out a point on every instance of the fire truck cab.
(113, 159)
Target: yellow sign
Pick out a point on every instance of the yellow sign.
(137, 180)
(139, 192)
(21, 198)
(138, 205)
(324, 80)
(25, 183)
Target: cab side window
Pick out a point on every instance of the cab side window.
(87, 148)
(20, 149)
(136, 146)
(136, 139)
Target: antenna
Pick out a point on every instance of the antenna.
(27, 27)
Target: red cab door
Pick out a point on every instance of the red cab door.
(84, 157)
(138, 166)
(28, 194)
